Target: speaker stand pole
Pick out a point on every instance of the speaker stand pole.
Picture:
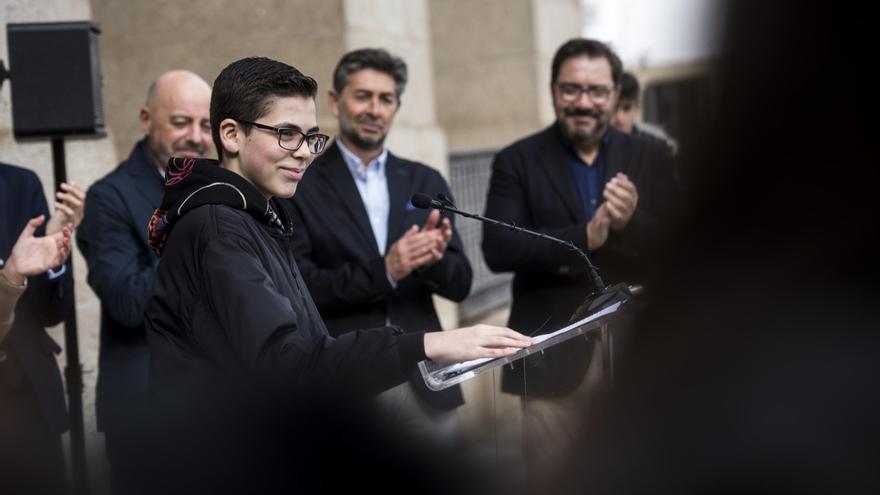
(73, 371)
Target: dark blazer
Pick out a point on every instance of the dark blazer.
(532, 186)
(113, 239)
(337, 254)
(29, 367)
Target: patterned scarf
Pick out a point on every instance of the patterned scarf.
(194, 182)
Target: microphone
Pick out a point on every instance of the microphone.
(425, 202)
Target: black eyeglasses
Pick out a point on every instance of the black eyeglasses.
(598, 94)
(291, 139)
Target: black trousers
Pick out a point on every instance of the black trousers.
(31, 456)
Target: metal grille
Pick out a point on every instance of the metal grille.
(469, 174)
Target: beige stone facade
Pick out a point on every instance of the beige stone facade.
(492, 66)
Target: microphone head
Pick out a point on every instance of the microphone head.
(422, 201)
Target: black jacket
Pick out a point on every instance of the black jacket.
(113, 240)
(336, 251)
(229, 307)
(532, 186)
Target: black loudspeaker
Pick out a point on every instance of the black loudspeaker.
(55, 78)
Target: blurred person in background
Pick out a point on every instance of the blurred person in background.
(628, 114)
(755, 368)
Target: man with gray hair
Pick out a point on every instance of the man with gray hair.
(113, 240)
(368, 257)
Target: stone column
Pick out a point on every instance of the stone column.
(492, 66)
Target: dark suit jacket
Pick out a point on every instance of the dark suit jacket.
(30, 352)
(113, 239)
(532, 186)
(343, 268)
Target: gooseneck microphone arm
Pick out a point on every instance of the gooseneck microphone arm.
(423, 201)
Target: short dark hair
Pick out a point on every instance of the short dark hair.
(629, 87)
(591, 49)
(244, 89)
(370, 58)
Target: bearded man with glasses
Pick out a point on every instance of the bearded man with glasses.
(582, 181)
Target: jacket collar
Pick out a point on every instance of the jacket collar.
(194, 182)
(338, 179)
(399, 176)
(554, 149)
(142, 168)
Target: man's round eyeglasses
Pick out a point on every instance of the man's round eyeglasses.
(291, 139)
(570, 92)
